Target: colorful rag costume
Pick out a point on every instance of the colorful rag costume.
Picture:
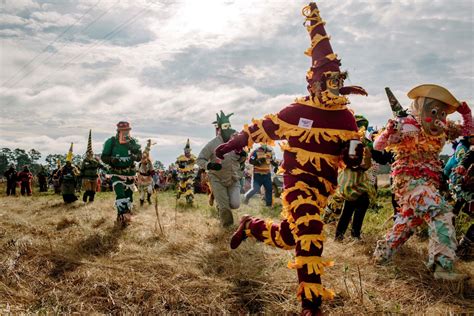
(317, 130)
(89, 172)
(121, 152)
(68, 179)
(145, 175)
(417, 139)
(186, 164)
(224, 174)
(263, 161)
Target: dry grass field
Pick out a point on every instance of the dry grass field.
(71, 259)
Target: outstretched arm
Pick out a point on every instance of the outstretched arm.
(388, 136)
(260, 131)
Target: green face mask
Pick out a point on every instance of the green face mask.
(226, 134)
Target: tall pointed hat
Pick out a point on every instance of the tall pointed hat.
(324, 62)
(188, 145)
(69, 154)
(89, 144)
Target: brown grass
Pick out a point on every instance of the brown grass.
(72, 259)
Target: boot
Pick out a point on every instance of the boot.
(148, 198)
(442, 274)
(239, 234)
(311, 312)
(84, 197)
(91, 197)
(142, 202)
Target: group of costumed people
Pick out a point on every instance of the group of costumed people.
(327, 164)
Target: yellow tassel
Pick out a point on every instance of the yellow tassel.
(258, 136)
(314, 288)
(303, 157)
(316, 104)
(314, 42)
(307, 218)
(307, 240)
(314, 264)
(287, 130)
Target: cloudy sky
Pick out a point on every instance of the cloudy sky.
(168, 66)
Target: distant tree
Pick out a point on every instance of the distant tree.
(21, 157)
(6, 158)
(52, 159)
(34, 155)
(158, 165)
(77, 160)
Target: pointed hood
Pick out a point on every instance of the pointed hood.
(89, 151)
(188, 145)
(324, 62)
(70, 154)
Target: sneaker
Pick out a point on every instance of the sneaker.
(239, 235)
(442, 274)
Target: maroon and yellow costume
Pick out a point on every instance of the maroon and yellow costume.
(316, 130)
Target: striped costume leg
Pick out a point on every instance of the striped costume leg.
(302, 229)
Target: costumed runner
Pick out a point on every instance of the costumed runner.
(121, 152)
(263, 161)
(186, 174)
(417, 138)
(318, 129)
(68, 175)
(89, 172)
(225, 173)
(55, 177)
(145, 175)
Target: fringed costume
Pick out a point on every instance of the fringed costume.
(68, 175)
(120, 153)
(89, 172)
(317, 130)
(417, 139)
(145, 175)
(186, 164)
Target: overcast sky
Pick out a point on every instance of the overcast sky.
(168, 66)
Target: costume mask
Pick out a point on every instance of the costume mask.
(432, 115)
(227, 131)
(124, 136)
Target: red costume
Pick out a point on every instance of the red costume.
(316, 130)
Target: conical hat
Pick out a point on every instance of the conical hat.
(89, 144)
(70, 155)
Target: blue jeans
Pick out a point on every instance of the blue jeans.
(259, 180)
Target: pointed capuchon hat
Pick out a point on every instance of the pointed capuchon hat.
(222, 118)
(70, 154)
(324, 61)
(188, 145)
(89, 144)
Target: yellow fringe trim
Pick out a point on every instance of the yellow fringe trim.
(307, 240)
(259, 136)
(267, 234)
(306, 135)
(314, 42)
(308, 218)
(319, 203)
(304, 156)
(310, 27)
(316, 104)
(328, 185)
(315, 264)
(314, 288)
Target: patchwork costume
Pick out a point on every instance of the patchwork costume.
(225, 173)
(25, 177)
(186, 174)
(121, 152)
(89, 172)
(417, 139)
(317, 130)
(145, 175)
